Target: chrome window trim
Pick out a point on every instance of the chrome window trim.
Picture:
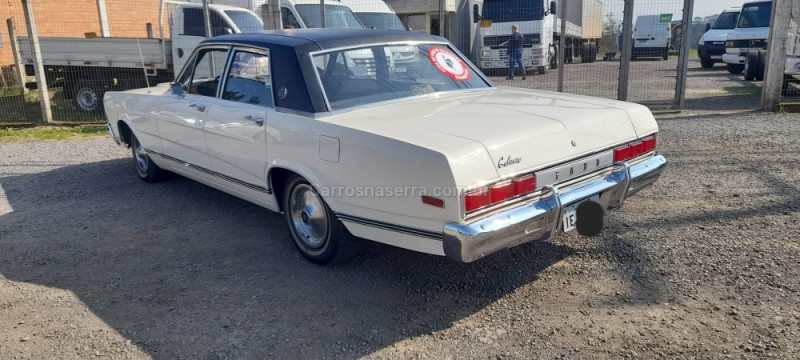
(247, 49)
(193, 57)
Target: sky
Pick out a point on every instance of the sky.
(704, 8)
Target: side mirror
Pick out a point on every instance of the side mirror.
(228, 30)
(476, 13)
(553, 8)
(708, 26)
(177, 88)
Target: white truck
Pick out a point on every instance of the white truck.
(541, 27)
(300, 14)
(712, 43)
(651, 36)
(88, 67)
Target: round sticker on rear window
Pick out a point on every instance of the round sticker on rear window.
(449, 64)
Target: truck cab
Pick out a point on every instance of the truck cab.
(375, 14)
(536, 22)
(712, 43)
(751, 33)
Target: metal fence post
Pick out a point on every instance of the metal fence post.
(41, 79)
(776, 55)
(441, 17)
(625, 56)
(562, 42)
(207, 19)
(19, 66)
(683, 61)
(322, 22)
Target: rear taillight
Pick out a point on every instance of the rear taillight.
(499, 192)
(635, 149)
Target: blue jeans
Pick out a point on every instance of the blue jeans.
(515, 58)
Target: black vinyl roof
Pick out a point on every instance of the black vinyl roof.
(293, 72)
(317, 39)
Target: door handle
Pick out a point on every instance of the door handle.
(198, 107)
(258, 120)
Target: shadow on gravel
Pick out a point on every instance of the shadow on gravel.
(183, 270)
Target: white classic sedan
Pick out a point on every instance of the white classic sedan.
(422, 152)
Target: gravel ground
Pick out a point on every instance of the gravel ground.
(96, 263)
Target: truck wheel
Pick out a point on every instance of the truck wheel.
(589, 53)
(761, 61)
(88, 96)
(706, 62)
(316, 231)
(735, 69)
(665, 55)
(751, 65)
(553, 58)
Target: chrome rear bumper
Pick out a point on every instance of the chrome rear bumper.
(541, 220)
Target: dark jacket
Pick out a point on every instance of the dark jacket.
(515, 43)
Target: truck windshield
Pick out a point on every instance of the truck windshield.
(755, 15)
(245, 21)
(726, 21)
(336, 16)
(362, 76)
(513, 10)
(380, 21)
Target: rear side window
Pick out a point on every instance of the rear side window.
(249, 79)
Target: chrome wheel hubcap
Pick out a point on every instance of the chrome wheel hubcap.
(140, 155)
(309, 218)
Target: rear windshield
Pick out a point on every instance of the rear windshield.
(755, 15)
(726, 21)
(361, 76)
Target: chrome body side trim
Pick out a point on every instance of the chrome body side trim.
(541, 219)
(391, 227)
(211, 172)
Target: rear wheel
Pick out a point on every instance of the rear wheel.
(317, 233)
(735, 69)
(88, 96)
(145, 167)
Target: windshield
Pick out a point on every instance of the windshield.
(756, 15)
(336, 16)
(355, 77)
(245, 21)
(380, 21)
(726, 21)
(512, 10)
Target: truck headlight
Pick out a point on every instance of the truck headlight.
(729, 44)
(486, 53)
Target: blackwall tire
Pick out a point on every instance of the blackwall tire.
(315, 230)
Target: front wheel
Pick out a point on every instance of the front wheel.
(317, 233)
(145, 167)
(706, 62)
(751, 66)
(735, 69)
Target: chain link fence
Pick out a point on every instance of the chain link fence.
(89, 47)
(790, 88)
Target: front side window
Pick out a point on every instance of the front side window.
(249, 80)
(194, 23)
(203, 78)
(361, 76)
(245, 21)
(755, 15)
(388, 21)
(288, 19)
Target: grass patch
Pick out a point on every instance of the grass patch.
(743, 90)
(50, 134)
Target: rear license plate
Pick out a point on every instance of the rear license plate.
(570, 213)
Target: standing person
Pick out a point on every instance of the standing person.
(515, 52)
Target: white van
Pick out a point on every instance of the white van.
(375, 14)
(712, 43)
(751, 33)
(651, 36)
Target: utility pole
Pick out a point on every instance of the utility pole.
(625, 56)
(776, 54)
(683, 61)
(41, 79)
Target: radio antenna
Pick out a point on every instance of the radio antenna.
(141, 57)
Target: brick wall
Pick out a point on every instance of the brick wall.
(74, 18)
